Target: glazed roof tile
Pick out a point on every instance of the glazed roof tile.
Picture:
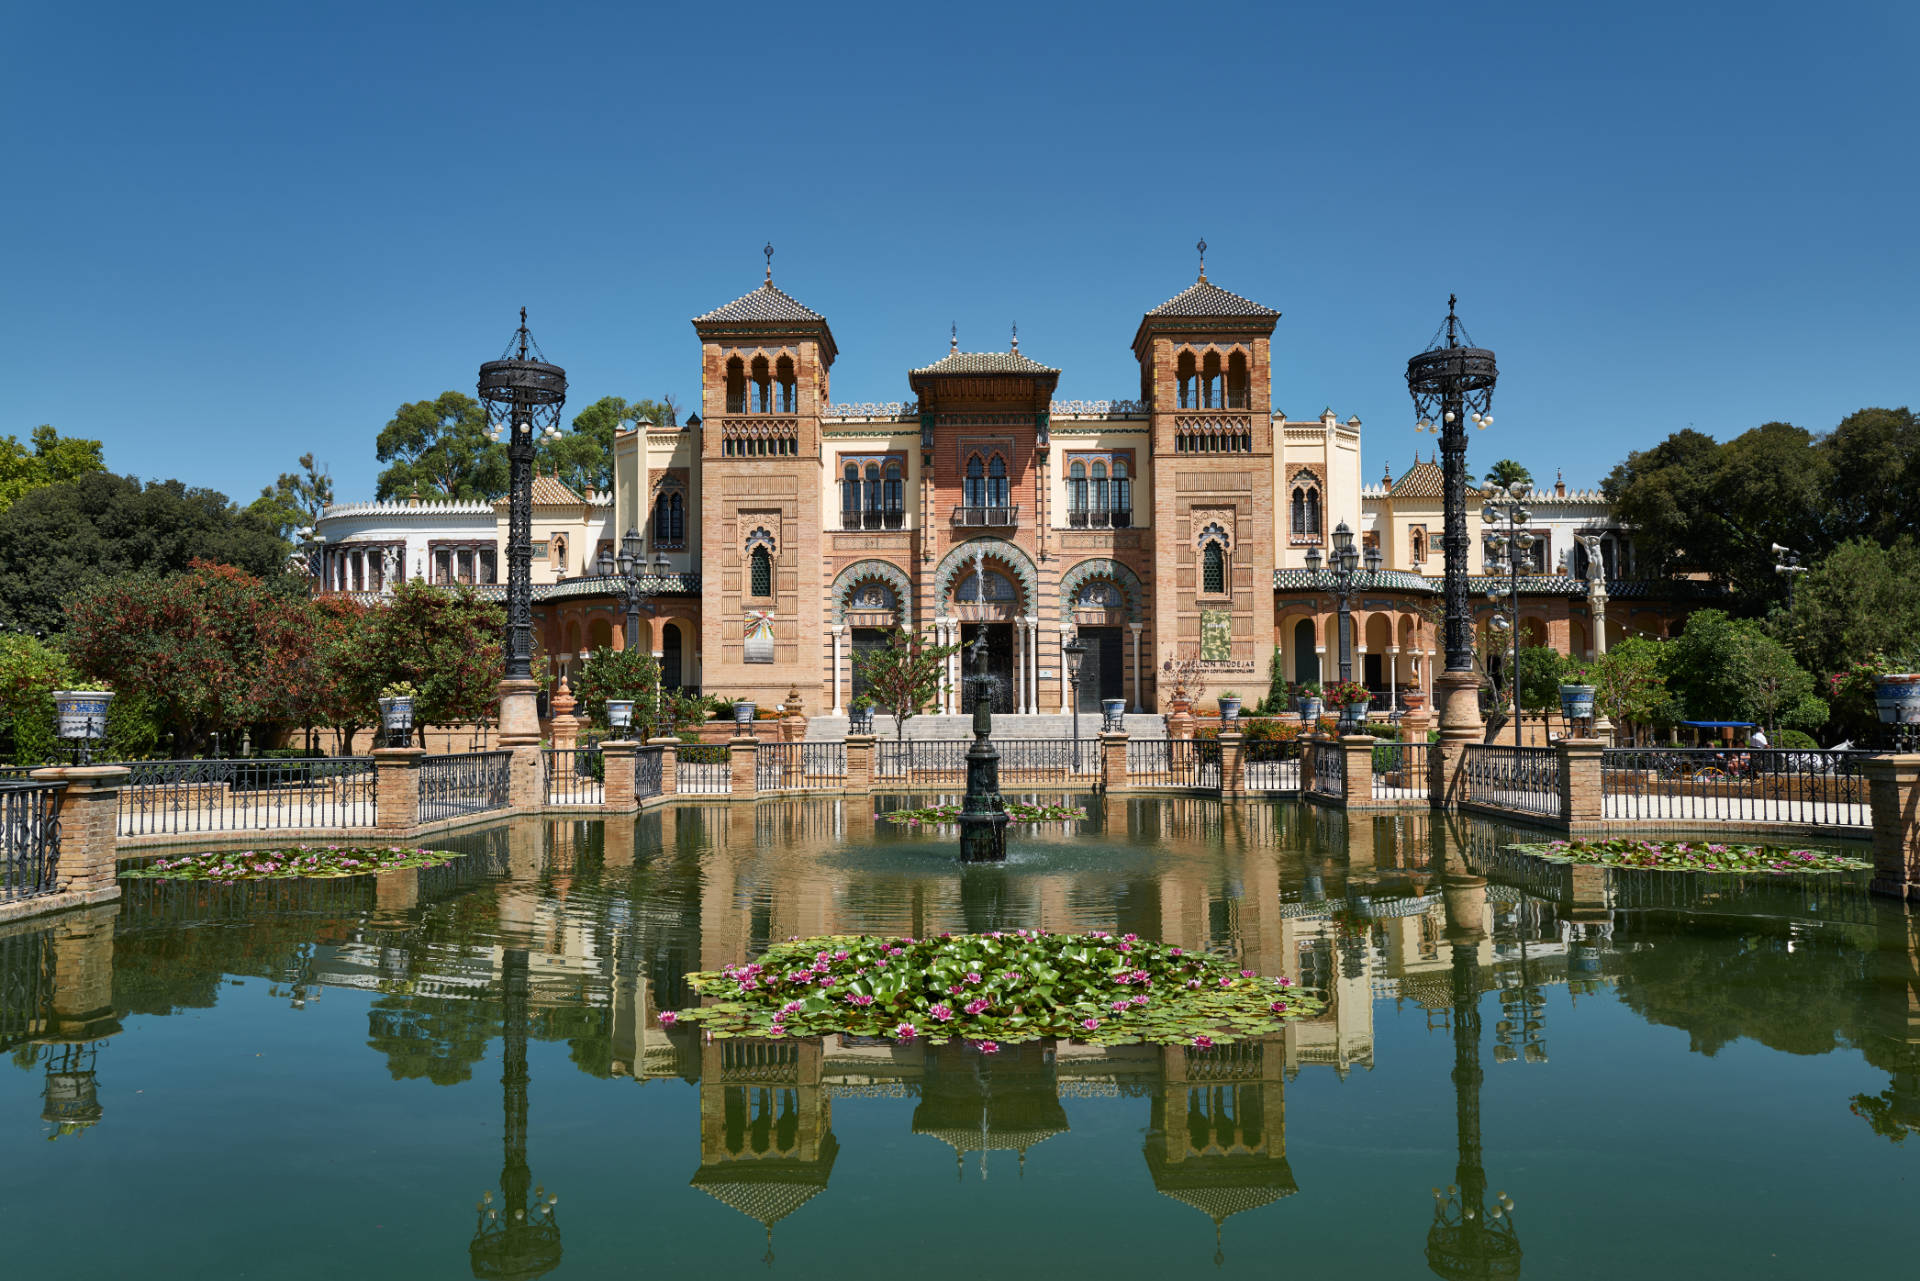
(1204, 298)
(767, 303)
(1422, 480)
(986, 362)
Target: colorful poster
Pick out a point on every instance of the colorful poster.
(1216, 635)
(759, 637)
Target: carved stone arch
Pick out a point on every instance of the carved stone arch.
(868, 570)
(1214, 532)
(960, 561)
(1125, 579)
(761, 536)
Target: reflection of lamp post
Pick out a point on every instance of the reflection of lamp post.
(515, 1238)
(1071, 655)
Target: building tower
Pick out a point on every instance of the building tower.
(763, 382)
(1205, 374)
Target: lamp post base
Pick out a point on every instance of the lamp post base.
(1458, 694)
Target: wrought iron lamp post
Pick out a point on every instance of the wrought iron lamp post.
(1343, 565)
(1789, 568)
(1072, 653)
(1449, 381)
(523, 396)
(1509, 549)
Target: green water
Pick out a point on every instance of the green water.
(1666, 1078)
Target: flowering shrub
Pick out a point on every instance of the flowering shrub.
(293, 861)
(993, 989)
(1347, 694)
(1018, 811)
(1692, 856)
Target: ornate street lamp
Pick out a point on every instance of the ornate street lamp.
(1789, 568)
(1448, 381)
(1509, 549)
(1072, 653)
(523, 396)
(1343, 564)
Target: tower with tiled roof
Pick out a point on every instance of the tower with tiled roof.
(1205, 374)
(764, 359)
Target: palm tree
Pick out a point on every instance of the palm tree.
(1506, 472)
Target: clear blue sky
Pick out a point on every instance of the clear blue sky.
(235, 233)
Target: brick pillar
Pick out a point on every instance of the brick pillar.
(1447, 780)
(396, 775)
(1180, 725)
(566, 726)
(860, 763)
(1113, 761)
(397, 891)
(1356, 752)
(89, 828)
(616, 758)
(520, 734)
(742, 753)
(1232, 777)
(1582, 806)
(669, 764)
(1893, 789)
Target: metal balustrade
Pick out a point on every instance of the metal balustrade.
(702, 769)
(1400, 771)
(649, 771)
(1329, 765)
(1525, 780)
(986, 517)
(163, 797)
(29, 839)
(575, 775)
(779, 767)
(26, 987)
(1271, 764)
(1174, 762)
(467, 783)
(1022, 760)
(1691, 785)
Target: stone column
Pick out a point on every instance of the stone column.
(1066, 689)
(520, 735)
(89, 812)
(1033, 660)
(1232, 782)
(1893, 789)
(1459, 698)
(742, 754)
(1356, 753)
(1393, 678)
(1113, 760)
(669, 763)
(1019, 664)
(396, 775)
(838, 630)
(859, 763)
(1582, 803)
(1179, 725)
(1135, 629)
(616, 789)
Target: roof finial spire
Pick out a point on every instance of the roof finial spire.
(1016, 337)
(767, 249)
(953, 338)
(1202, 247)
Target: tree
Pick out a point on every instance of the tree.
(53, 460)
(1873, 460)
(1728, 669)
(1629, 688)
(441, 448)
(296, 499)
(1856, 601)
(903, 675)
(81, 534)
(306, 681)
(583, 457)
(1780, 692)
(624, 673)
(1507, 472)
(445, 641)
(1541, 670)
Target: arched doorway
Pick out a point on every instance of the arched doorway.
(1306, 656)
(987, 603)
(670, 656)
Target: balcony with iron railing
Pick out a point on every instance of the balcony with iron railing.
(894, 519)
(1100, 518)
(986, 517)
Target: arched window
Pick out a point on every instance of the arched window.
(762, 386)
(1077, 494)
(559, 557)
(736, 386)
(1237, 381)
(997, 482)
(1188, 378)
(874, 495)
(1122, 495)
(1313, 512)
(1210, 381)
(1213, 571)
(1299, 511)
(789, 391)
(896, 504)
(760, 572)
(1419, 544)
(850, 498)
(976, 482)
(1100, 488)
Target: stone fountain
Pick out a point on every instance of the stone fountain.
(983, 819)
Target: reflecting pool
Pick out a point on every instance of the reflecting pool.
(460, 1071)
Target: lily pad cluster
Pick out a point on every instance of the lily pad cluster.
(1017, 811)
(994, 989)
(1692, 856)
(293, 861)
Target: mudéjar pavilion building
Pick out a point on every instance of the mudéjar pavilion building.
(785, 532)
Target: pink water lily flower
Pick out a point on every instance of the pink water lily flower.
(790, 1007)
(668, 1018)
(1090, 1024)
(859, 998)
(1278, 1007)
(973, 976)
(987, 1047)
(1121, 1007)
(978, 1005)
(1203, 1043)
(1246, 974)
(942, 1012)
(906, 1032)
(1140, 1000)
(1193, 983)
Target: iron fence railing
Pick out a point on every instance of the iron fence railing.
(1400, 771)
(467, 783)
(575, 775)
(1030, 761)
(163, 797)
(29, 839)
(1523, 779)
(1271, 764)
(649, 769)
(1745, 785)
(1329, 765)
(702, 769)
(1173, 762)
(799, 766)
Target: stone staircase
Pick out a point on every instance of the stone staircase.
(830, 728)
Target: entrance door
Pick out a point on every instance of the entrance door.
(1103, 669)
(999, 666)
(1375, 676)
(865, 641)
(1306, 659)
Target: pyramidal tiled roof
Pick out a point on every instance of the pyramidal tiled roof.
(766, 303)
(548, 491)
(1204, 298)
(986, 362)
(1422, 480)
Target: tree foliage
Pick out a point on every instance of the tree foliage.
(296, 499)
(1726, 669)
(445, 641)
(441, 448)
(583, 457)
(52, 460)
(1506, 472)
(78, 535)
(633, 673)
(904, 674)
(1856, 601)
(1630, 688)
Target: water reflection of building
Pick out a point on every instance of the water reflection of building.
(1217, 1135)
(766, 1128)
